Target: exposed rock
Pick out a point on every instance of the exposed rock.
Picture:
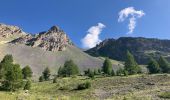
(7, 31)
(54, 39)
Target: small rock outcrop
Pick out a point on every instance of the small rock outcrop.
(7, 31)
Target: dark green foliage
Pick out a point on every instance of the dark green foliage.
(27, 85)
(55, 80)
(83, 86)
(27, 72)
(46, 74)
(113, 73)
(5, 65)
(70, 68)
(130, 64)
(165, 95)
(153, 66)
(13, 78)
(41, 79)
(164, 65)
(7, 59)
(107, 66)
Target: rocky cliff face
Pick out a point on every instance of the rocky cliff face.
(7, 31)
(54, 39)
(141, 48)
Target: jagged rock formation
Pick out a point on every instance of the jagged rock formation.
(7, 31)
(54, 39)
(141, 48)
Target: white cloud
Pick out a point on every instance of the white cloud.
(134, 14)
(92, 37)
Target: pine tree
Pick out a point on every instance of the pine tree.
(27, 72)
(164, 65)
(5, 65)
(131, 65)
(107, 66)
(13, 78)
(46, 74)
(153, 66)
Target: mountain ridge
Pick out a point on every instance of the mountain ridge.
(142, 48)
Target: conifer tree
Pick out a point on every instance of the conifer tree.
(107, 66)
(164, 65)
(131, 65)
(46, 74)
(153, 66)
(13, 78)
(27, 72)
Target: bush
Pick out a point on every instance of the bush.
(41, 79)
(55, 80)
(83, 86)
(27, 85)
(46, 74)
(165, 95)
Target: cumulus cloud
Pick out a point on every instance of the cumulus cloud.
(134, 15)
(92, 37)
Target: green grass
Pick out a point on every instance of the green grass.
(113, 88)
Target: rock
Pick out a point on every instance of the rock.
(7, 31)
(54, 39)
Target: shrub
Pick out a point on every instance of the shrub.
(46, 74)
(165, 95)
(83, 86)
(27, 85)
(55, 80)
(41, 79)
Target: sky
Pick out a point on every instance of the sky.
(88, 22)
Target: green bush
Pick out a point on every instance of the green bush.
(41, 79)
(55, 80)
(27, 85)
(83, 86)
(165, 95)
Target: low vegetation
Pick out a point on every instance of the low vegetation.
(126, 83)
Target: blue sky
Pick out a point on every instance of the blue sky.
(75, 17)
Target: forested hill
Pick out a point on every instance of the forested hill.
(142, 48)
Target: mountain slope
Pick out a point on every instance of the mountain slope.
(38, 59)
(142, 48)
(45, 49)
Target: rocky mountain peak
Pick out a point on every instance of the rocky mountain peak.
(54, 39)
(55, 29)
(7, 31)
